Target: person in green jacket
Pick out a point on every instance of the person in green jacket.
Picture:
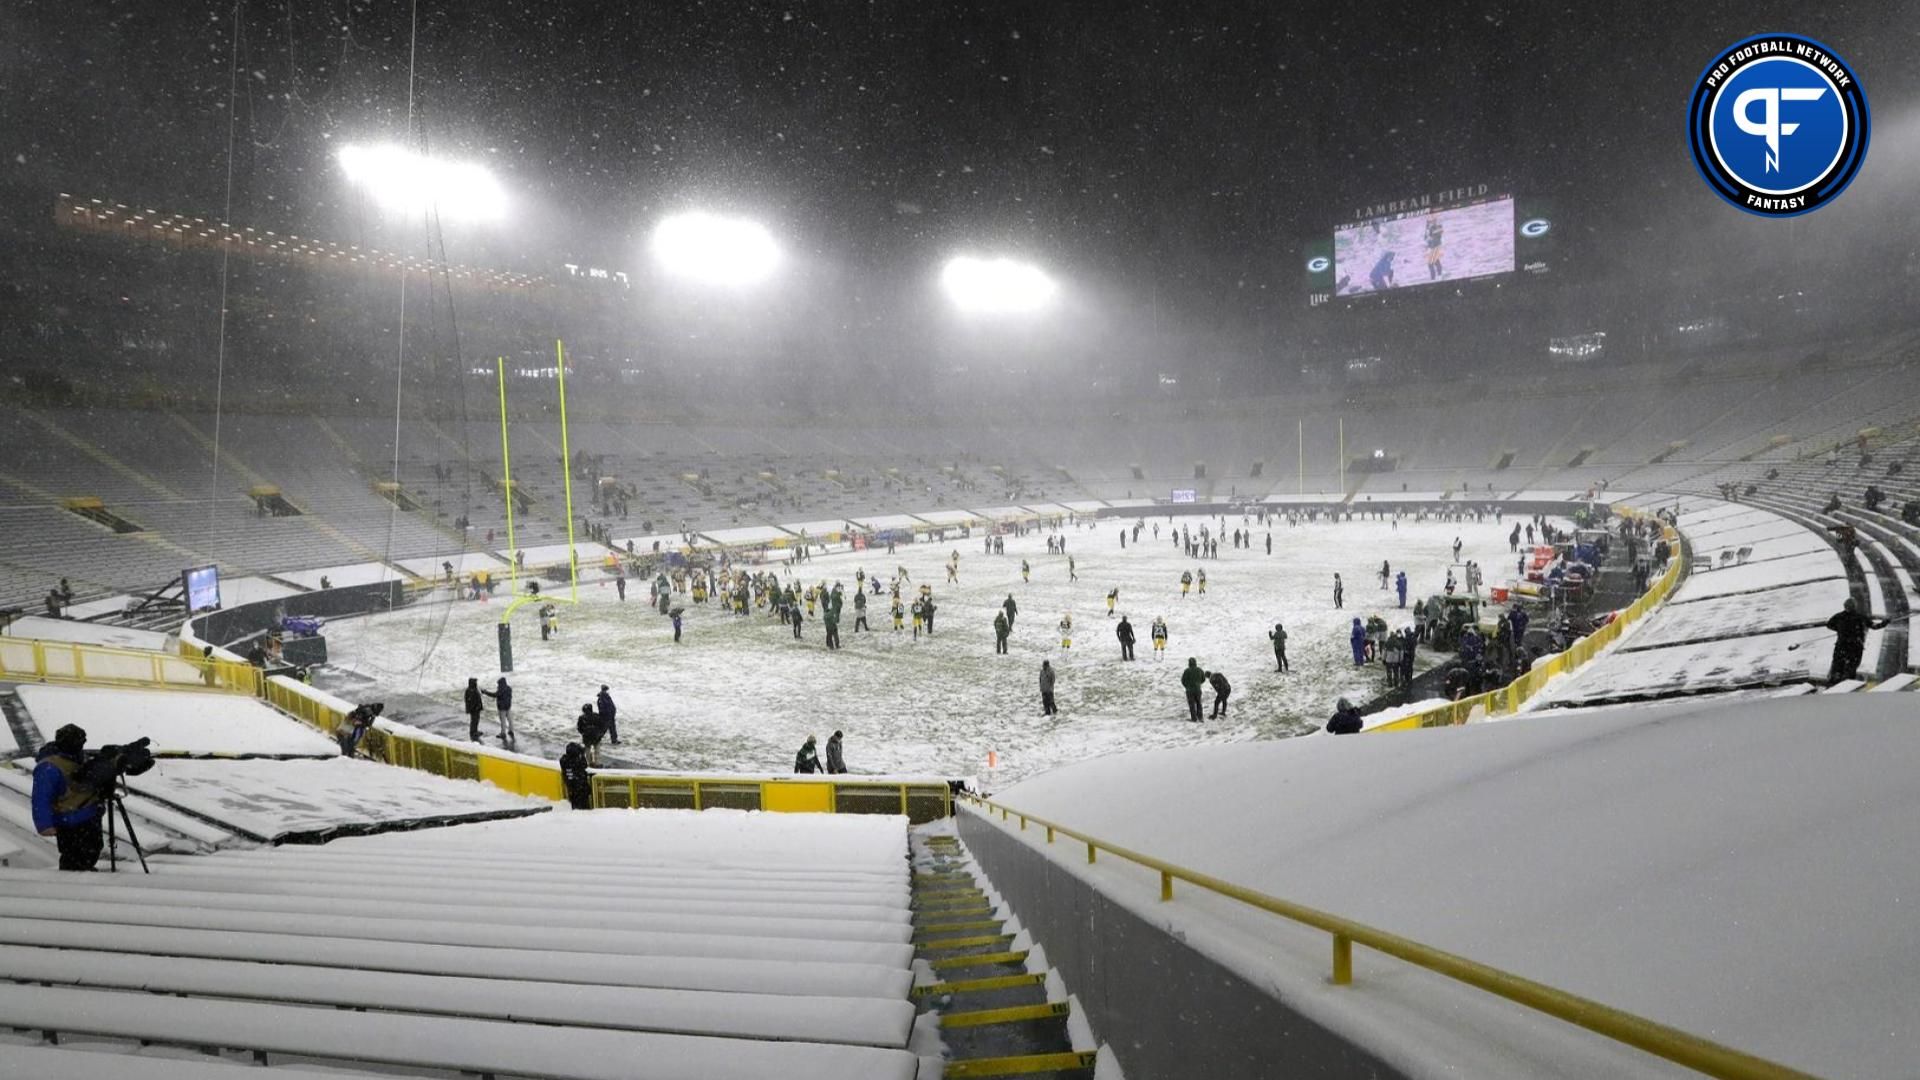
(1192, 679)
(808, 759)
(1000, 631)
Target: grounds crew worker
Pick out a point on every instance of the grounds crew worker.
(63, 807)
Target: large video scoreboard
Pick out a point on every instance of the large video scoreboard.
(1457, 235)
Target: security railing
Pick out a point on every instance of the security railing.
(918, 800)
(1508, 699)
(35, 660)
(1679, 1047)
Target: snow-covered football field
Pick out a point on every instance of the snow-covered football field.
(739, 694)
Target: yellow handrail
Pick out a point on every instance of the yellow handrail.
(36, 659)
(1679, 1047)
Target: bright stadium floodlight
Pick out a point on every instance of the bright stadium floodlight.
(715, 250)
(401, 180)
(996, 286)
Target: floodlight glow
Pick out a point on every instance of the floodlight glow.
(401, 180)
(997, 285)
(715, 250)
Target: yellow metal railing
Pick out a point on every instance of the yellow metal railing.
(919, 801)
(32, 659)
(1679, 1047)
(1509, 698)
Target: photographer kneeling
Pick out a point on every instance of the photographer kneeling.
(65, 806)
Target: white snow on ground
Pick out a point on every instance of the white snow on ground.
(271, 798)
(1709, 665)
(342, 576)
(1728, 866)
(1751, 613)
(1818, 565)
(178, 721)
(428, 566)
(741, 694)
(42, 628)
(247, 590)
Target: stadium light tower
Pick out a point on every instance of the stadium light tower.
(400, 180)
(996, 286)
(715, 250)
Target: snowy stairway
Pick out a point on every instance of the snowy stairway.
(1000, 1013)
(602, 945)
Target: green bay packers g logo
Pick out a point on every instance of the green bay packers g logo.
(1778, 125)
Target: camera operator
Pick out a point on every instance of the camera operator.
(65, 805)
(74, 790)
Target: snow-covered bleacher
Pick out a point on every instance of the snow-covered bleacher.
(608, 945)
(1703, 864)
(1751, 614)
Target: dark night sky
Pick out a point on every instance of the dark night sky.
(1179, 147)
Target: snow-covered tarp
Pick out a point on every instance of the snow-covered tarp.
(235, 591)
(1006, 513)
(747, 534)
(816, 530)
(178, 721)
(947, 517)
(464, 562)
(588, 553)
(643, 545)
(340, 577)
(884, 522)
(42, 628)
(270, 799)
(1648, 857)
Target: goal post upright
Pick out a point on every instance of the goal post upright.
(506, 481)
(566, 473)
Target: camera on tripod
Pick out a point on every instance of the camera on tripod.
(105, 773)
(106, 767)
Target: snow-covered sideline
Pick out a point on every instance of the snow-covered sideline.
(178, 721)
(1726, 864)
